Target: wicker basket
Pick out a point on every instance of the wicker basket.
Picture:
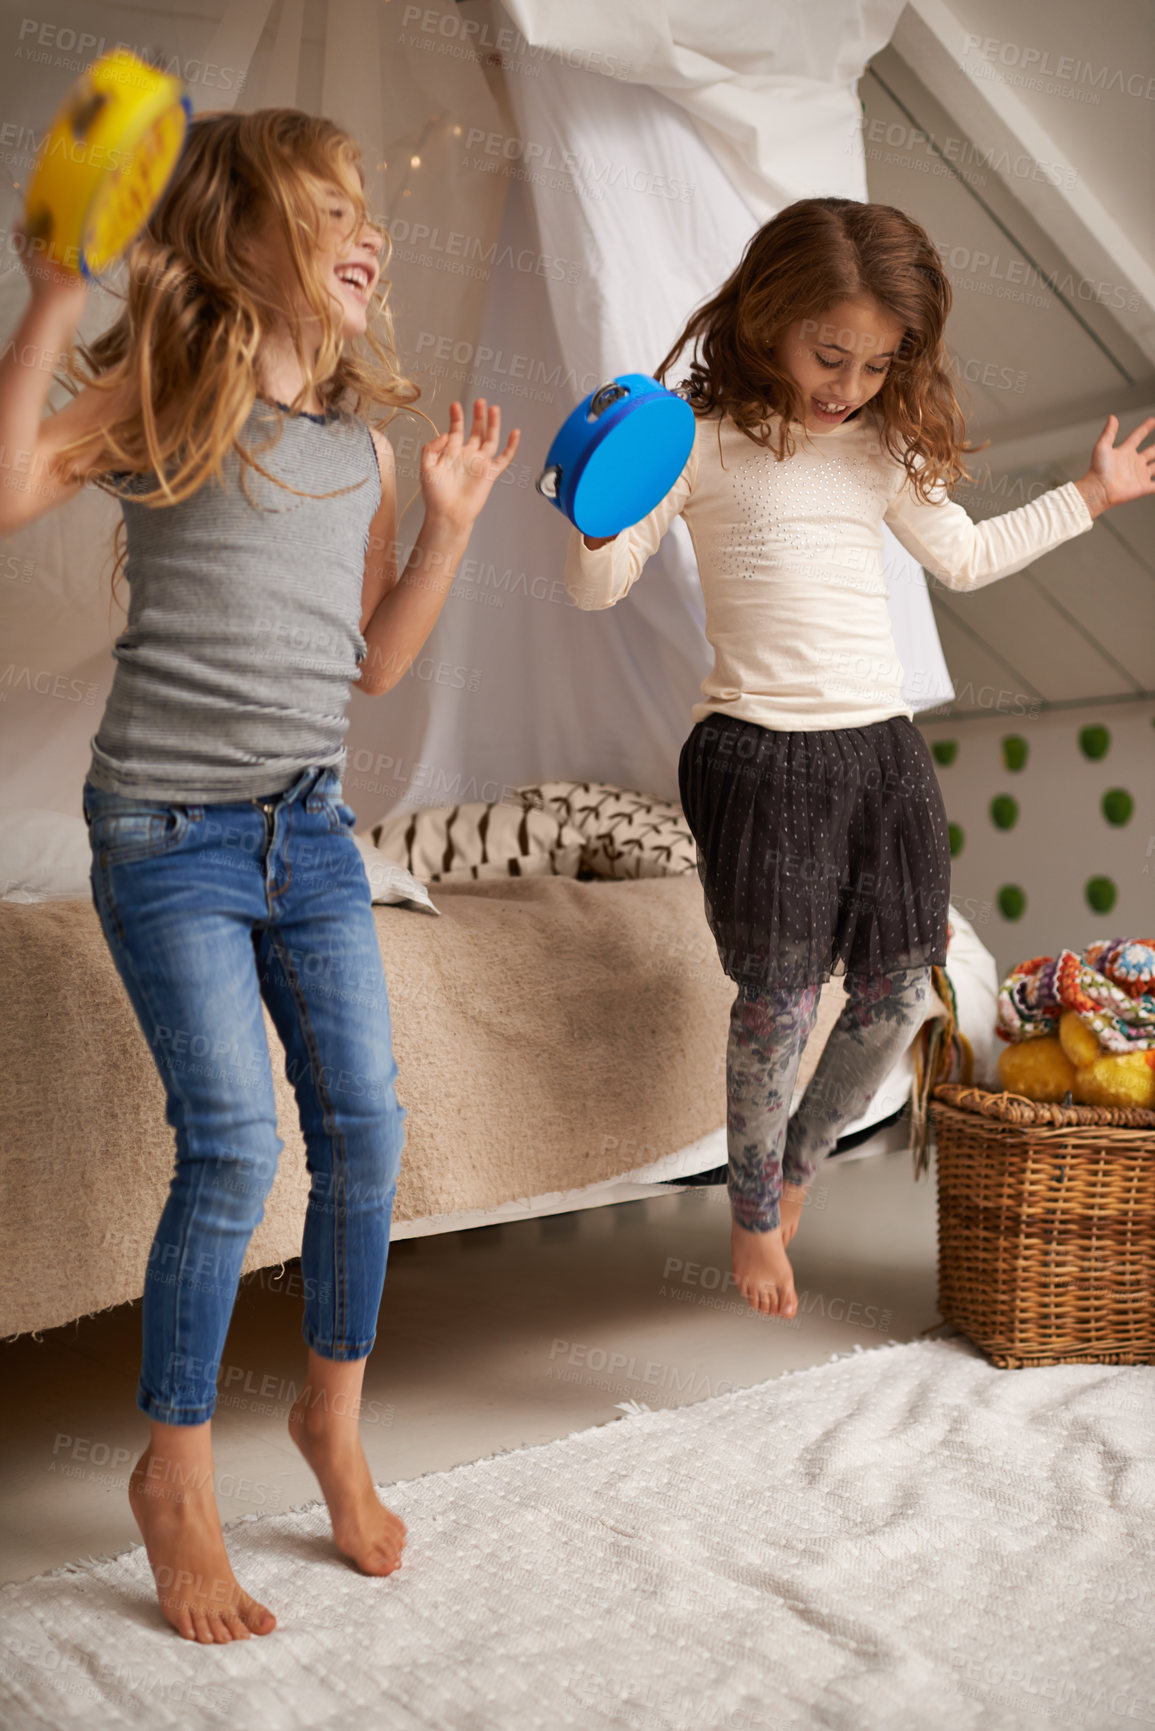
(1046, 1228)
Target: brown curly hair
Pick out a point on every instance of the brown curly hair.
(179, 361)
(809, 258)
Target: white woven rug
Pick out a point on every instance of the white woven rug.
(901, 1539)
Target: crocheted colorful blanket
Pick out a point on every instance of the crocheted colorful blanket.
(1110, 987)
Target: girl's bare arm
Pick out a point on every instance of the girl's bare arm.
(456, 477)
(35, 482)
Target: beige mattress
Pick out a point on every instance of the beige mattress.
(549, 1034)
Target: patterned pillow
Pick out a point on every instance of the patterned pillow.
(443, 844)
(626, 834)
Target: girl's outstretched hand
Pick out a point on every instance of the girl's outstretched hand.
(1119, 473)
(457, 473)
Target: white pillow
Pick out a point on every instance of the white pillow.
(390, 882)
(44, 856)
(478, 841)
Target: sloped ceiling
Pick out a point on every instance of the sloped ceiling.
(1023, 139)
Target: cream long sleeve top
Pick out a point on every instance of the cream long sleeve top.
(790, 560)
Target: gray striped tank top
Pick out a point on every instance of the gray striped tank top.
(233, 674)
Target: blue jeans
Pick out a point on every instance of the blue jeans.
(207, 910)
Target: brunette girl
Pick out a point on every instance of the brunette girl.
(825, 408)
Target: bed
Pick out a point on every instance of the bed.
(560, 1043)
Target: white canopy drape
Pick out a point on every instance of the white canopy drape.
(563, 185)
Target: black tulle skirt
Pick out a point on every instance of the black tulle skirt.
(819, 853)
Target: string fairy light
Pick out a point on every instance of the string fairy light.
(412, 149)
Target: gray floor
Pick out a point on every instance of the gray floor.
(488, 1340)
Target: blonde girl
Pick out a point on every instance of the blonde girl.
(821, 384)
(225, 408)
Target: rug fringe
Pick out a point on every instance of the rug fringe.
(79, 1566)
(632, 1412)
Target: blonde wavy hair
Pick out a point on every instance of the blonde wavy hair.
(806, 260)
(181, 357)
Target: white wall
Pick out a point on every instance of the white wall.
(1061, 837)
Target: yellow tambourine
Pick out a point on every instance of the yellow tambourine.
(105, 162)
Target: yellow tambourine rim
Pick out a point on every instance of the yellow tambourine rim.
(105, 162)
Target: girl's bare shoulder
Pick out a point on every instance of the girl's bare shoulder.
(384, 451)
(92, 407)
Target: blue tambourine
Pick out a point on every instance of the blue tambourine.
(618, 454)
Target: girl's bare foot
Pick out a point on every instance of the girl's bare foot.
(790, 1210)
(323, 1424)
(762, 1270)
(171, 1495)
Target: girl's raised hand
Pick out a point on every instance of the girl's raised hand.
(1120, 473)
(50, 282)
(457, 473)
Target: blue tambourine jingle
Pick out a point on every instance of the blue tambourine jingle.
(618, 454)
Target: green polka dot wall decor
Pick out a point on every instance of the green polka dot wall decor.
(1015, 752)
(1094, 742)
(957, 838)
(1012, 902)
(1101, 894)
(1117, 806)
(1004, 811)
(944, 751)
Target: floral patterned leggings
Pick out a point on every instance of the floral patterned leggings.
(768, 1031)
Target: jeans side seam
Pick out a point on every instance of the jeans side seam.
(188, 1214)
(337, 1141)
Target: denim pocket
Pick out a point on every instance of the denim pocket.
(326, 797)
(341, 816)
(323, 794)
(135, 830)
